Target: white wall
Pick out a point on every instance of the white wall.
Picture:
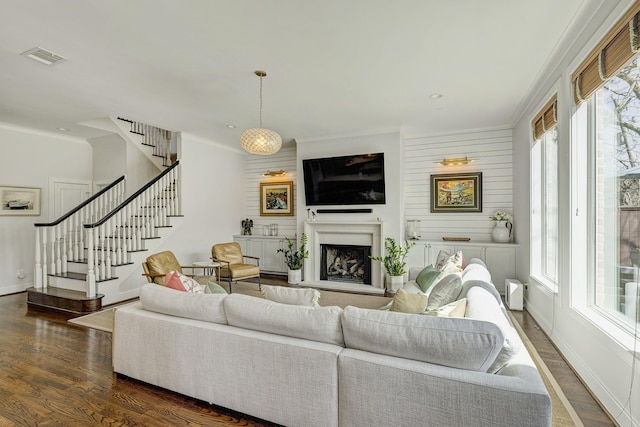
(491, 150)
(600, 360)
(140, 170)
(109, 158)
(29, 159)
(256, 166)
(387, 143)
(213, 199)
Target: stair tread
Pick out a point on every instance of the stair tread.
(78, 276)
(65, 293)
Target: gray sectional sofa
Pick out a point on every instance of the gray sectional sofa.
(328, 366)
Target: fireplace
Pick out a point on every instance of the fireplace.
(344, 235)
(345, 263)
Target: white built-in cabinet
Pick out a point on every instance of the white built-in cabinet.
(266, 248)
(500, 258)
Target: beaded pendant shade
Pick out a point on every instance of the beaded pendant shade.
(259, 140)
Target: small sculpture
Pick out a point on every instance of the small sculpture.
(247, 224)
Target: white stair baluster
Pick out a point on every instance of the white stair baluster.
(64, 245)
(37, 273)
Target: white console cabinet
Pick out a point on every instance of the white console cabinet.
(266, 248)
(500, 258)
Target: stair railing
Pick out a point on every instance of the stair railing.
(62, 240)
(111, 240)
(157, 138)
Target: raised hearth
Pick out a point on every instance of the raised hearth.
(343, 233)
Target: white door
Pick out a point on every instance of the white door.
(65, 195)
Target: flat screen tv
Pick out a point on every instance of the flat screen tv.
(346, 180)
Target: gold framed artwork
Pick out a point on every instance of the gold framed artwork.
(276, 198)
(456, 192)
(19, 201)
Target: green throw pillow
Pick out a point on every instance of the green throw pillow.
(428, 277)
(215, 288)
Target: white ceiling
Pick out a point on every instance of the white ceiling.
(335, 66)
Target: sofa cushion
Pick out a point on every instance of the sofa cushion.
(476, 272)
(322, 324)
(205, 307)
(459, 343)
(406, 302)
(453, 264)
(453, 309)
(214, 288)
(293, 296)
(180, 282)
(428, 277)
(445, 291)
(482, 305)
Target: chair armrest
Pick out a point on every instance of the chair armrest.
(251, 256)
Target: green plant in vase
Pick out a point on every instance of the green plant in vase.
(395, 260)
(295, 258)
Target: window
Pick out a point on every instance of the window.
(544, 198)
(614, 202)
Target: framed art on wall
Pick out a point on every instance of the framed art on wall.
(15, 201)
(456, 192)
(276, 198)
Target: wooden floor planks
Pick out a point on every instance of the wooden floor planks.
(59, 374)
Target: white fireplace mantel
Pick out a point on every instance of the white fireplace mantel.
(364, 233)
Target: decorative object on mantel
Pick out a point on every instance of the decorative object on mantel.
(276, 198)
(281, 172)
(413, 229)
(394, 262)
(503, 227)
(456, 239)
(247, 224)
(456, 192)
(458, 161)
(260, 140)
(295, 259)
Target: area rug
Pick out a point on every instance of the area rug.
(563, 413)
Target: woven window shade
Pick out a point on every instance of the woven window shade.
(546, 118)
(609, 56)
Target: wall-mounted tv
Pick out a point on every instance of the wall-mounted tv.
(346, 180)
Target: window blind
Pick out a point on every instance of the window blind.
(618, 46)
(546, 118)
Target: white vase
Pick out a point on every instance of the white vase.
(501, 232)
(295, 277)
(395, 283)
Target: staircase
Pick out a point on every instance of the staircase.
(91, 256)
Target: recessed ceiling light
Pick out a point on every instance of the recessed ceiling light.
(232, 126)
(435, 95)
(64, 129)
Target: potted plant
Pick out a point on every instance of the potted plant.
(394, 262)
(295, 259)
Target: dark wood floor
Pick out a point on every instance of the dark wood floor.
(55, 373)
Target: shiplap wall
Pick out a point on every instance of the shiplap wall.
(256, 167)
(492, 150)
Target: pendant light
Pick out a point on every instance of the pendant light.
(259, 140)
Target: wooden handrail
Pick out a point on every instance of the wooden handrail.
(132, 197)
(81, 205)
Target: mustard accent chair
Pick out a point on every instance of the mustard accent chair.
(158, 265)
(232, 263)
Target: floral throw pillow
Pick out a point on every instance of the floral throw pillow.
(180, 282)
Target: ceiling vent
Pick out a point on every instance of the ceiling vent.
(42, 55)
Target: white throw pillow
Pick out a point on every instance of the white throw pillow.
(292, 296)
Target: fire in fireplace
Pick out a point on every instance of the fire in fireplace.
(345, 263)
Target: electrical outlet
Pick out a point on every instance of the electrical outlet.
(21, 274)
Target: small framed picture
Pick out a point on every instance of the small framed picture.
(276, 198)
(19, 201)
(459, 192)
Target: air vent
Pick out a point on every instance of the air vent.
(42, 55)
